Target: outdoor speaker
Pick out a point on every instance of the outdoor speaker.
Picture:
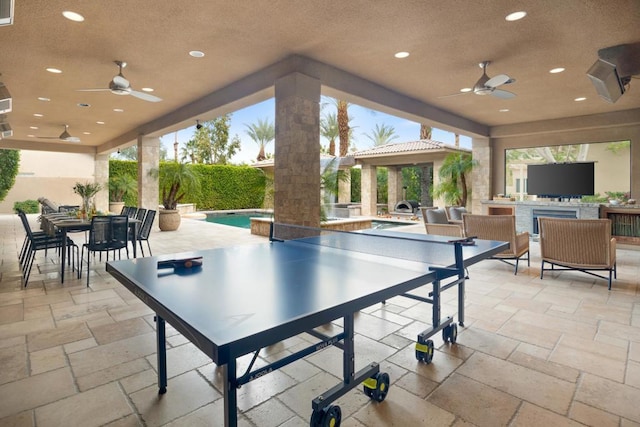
(5, 99)
(606, 80)
(5, 130)
(6, 12)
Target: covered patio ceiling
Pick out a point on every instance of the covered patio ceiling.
(349, 45)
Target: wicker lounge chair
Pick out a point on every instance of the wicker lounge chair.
(501, 228)
(436, 222)
(578, 244)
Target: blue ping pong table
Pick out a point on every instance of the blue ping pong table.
(242, 299)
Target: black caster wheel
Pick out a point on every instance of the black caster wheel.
(162, 390)
(329, 416)
(424, 352)
(453, 333)
(450, 333)
(377, 387)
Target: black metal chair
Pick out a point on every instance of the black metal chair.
(107, 234)
(145, 230)
(140, 214)
(36, 241)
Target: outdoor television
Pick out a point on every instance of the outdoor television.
(565, 180)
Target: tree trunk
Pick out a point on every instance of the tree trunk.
(425, 131)
(343, 127)
(332, 147)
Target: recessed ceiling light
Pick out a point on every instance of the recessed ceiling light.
(31, 135)
(43, 99)
(503, 110)
(83, 104)
(401, 54)
(466, 89)
(37, 115)
(118, 110)
(196, 53)
(556, 70)
(516, 16)
(86, 133)
(54, 70)
(100, 122)
(147, 89)
(582, 98)
(73, 16)
(33, 127)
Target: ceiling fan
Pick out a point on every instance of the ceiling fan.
(489, 86)
(64, 136)
(119, 85)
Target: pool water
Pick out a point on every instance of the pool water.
(243, 220)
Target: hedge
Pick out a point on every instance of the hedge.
(221, 186)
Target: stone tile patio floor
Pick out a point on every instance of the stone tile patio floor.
(558, 351)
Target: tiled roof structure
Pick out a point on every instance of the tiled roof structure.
(405, 147)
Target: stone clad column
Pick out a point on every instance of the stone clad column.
(344, 188)
(148, 159)
(369, 190)
(101, 175)
(394, 187)
(481, 173)
(297, 150)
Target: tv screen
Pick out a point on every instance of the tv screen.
(560, 179)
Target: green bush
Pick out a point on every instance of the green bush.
(221, 186)
(9, 162)
(28, 206)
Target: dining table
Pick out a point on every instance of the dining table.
(62, 223)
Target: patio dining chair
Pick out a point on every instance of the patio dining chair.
(107, 234)
(35, 242)
(145, 230)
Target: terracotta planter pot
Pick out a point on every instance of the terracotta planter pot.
(168, 219)
(116, 207)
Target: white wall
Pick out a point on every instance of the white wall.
(51, 175)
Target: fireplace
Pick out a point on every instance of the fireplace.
(554, 213)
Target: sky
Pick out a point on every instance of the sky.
(363, 122)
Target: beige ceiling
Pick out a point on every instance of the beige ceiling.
(240, 38)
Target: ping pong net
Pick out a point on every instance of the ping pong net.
(432, 250)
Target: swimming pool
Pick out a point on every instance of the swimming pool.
(236, 219)
(243, 220)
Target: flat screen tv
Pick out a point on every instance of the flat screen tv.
(560, 179)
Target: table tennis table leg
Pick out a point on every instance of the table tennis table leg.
(230, 394)
(461, 302)
(161, 343)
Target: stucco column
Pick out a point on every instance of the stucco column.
(394, 187)
(481, 173)
(101, 174)
(369, 190)
(297, 150)
(148, 159)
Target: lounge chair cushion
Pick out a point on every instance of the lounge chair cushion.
(437, 216)
(455, 213)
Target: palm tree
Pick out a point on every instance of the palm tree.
(453, 175)
(329, 130)
(425, 131)
(382, 134)
(190, 151)
(343, 126)
(262, 134)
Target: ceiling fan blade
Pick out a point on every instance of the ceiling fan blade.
(93, 90)
(503, 94)
(455, 94)
(145, 96)
(498, 80)
(71, 139)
